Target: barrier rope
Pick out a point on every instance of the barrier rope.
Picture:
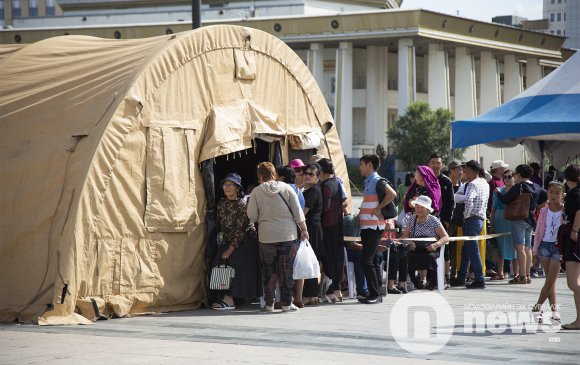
(427, 239)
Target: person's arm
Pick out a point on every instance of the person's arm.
(407, 234)
(252, 209)
(443, 239)
(509, 195)
(390, 194)
(575, 227)
(448, 203)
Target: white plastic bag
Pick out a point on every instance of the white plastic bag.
(305, 264)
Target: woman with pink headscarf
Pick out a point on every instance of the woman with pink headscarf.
(426, 183)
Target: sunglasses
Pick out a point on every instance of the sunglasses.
(229, 185)
(507, 177)
(309, 174)
(298, 170)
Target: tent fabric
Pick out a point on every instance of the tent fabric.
(101, 143)
(549, 111)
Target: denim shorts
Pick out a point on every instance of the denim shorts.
(521, 233)
(549, 250)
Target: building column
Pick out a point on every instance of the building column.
(315, 62)
(438, 77)
(533, 72)
(343, 95)
(465, 98)
(376, 95)
(406, 75)
(490, 96)
(512, 78)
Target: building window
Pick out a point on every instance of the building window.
(32, 7)
(16, 10)
(50, 8)
(552, 17)
(553, 1)
(564, 16)
(559, 16)
(552, 31)
(1, 10)
(558, 32)
(559, 1)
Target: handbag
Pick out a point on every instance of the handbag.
(519, 208)
(221, 277)
(306, 264)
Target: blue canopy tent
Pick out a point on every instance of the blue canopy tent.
(545, 119)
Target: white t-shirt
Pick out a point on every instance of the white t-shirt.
(553, 221)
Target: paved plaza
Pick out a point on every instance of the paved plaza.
(339, 333)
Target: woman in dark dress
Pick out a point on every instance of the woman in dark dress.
(312, 211)
(239, 245)
(332, 232)
(568, 237)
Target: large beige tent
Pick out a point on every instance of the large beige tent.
(103, 142)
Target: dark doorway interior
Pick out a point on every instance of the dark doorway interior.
(242, 163)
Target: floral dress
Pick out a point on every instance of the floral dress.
(235, 226)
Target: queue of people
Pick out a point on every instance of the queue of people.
(307, 202)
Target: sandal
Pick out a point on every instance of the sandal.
(518, 280)
(528, 280)
(220, 305)
(538, 314)
(497, 277)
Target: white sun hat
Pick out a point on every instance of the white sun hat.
(424, 201)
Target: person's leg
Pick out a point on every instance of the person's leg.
(393, 267)
(370, 241)
(359, 276)
(403, 270)
(268, 254)
(463, 265)
(548, 284)
(573, 279)
(472, 228)
(500, 263)
(519, 239)
(554, 267)
(528, 250)
(286, 253)
(298, 290)
(338, 266)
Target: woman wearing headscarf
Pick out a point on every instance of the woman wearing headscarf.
(239, 247)
(426, 183)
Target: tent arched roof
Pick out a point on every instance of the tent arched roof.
(67, 105)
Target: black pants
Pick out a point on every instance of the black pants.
(398, 263)
(333, 255)
(370, 262)
(424, 261)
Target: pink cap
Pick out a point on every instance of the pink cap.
(296, 163)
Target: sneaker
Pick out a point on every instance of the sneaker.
(476, 285)
(269, 308)
(289, 308)
(535, 274)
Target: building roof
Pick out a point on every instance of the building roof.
(361, 28)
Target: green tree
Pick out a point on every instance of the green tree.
(421, 132)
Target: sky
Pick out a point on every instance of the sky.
(480, 9)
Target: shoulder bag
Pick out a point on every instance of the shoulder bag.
(519, 208)
(298, 230)
(457, 217)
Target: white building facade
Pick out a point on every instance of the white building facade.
(371, 65)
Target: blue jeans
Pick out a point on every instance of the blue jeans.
(470, 250)
(359, 276)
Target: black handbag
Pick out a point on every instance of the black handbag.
(390, 210)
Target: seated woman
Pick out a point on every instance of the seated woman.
(423, 255)
(239, 246)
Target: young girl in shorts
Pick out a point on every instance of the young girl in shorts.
(549, 220)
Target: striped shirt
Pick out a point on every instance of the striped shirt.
(370, 202)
